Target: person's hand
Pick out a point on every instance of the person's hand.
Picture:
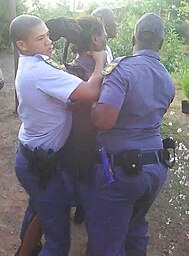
(99, 56)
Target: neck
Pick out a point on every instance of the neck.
(136, 49)
(83, 54)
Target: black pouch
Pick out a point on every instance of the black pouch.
(43, 165)
(169, 155)
(131, 161)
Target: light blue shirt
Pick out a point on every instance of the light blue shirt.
(43, 92)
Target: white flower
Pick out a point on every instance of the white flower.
(168, 221)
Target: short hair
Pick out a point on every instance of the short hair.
(102, 12)
(21, 25)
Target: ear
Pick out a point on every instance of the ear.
(21, 45)
(94, 41)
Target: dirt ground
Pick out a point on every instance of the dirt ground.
(169, 231)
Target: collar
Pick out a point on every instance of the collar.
(45, 57)
(148, 53)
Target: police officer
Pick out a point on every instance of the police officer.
(108, 19)
(43, 90)
(136, 93)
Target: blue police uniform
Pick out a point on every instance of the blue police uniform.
(142, 89)
(43, 92)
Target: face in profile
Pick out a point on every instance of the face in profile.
(110, 24)
(36, 42)
(99, 41)
(93, 36)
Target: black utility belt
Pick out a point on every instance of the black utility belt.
(133, 160)
(41, 163)
(132, 155)
(26, 152)
(39, 152)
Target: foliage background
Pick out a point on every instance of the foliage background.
(175, 14)
(172, 206)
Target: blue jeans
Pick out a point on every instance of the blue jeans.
(51, 205)
(115, 212)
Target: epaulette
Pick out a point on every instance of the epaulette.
(108, 69)
(54, 64)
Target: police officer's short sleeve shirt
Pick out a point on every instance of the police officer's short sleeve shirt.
(43, 92)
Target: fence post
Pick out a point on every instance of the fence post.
(12, 5)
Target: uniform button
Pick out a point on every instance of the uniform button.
(133, 165)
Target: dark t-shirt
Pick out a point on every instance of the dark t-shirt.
(80, 147)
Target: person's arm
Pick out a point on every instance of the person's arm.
(104, 116)
(90, 90)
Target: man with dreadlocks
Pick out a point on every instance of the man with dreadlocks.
(80, 155)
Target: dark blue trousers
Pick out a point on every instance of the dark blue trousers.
(115, 212)
(51, 205)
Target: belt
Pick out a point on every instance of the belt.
(41, 163)
(27, 153)
(150, 157)
(146, 158)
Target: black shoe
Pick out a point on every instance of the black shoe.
(79, 214)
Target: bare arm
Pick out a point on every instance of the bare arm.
(89, 91)
(104, 116)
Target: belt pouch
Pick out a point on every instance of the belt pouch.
(131, 161)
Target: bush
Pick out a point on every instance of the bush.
(184, 79)
(5, 19)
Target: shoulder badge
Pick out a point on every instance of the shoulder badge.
(108, 69)
(54, 64)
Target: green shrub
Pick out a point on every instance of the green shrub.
(184, 79)
(5, 19)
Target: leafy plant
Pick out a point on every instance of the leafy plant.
(184, 79)
(5, 19)
(46, 12)
(171, 52)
